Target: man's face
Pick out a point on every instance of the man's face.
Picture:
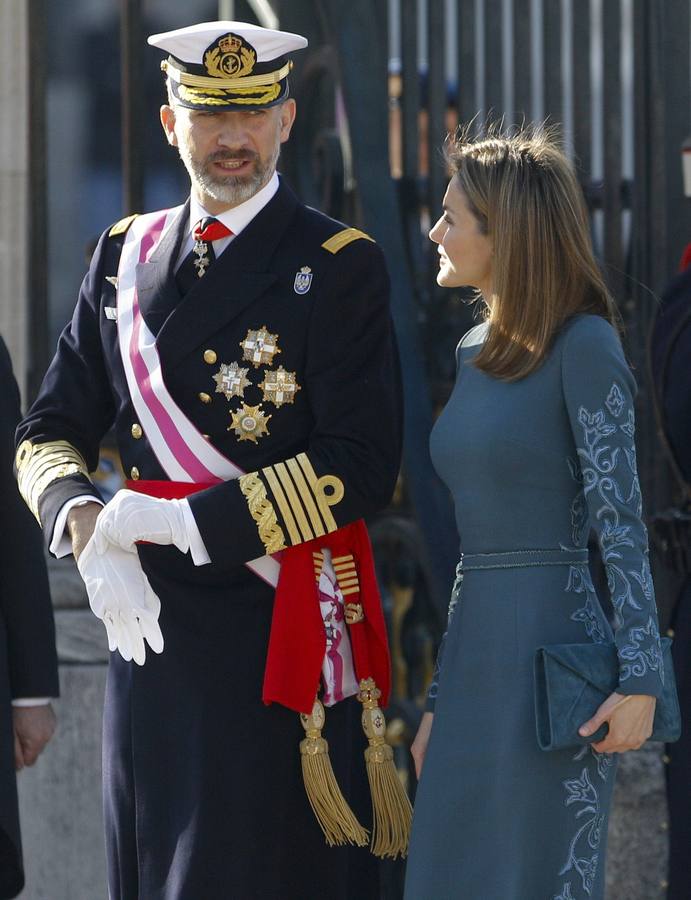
(229, 155)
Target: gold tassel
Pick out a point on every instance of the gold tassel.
(335, 817)
(391, 807)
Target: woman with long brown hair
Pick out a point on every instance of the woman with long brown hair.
(536, 445)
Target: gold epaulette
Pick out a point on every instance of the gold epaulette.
(342, 238)
(303, 499)
(122, 226)
(39, 465)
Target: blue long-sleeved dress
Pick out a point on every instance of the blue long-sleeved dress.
(532, 466)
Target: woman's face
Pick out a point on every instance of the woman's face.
(465, 254)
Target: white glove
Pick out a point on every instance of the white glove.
(132, 517)
(121, 596)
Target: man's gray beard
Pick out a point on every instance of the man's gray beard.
(232, 189)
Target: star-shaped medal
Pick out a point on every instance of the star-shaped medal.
(259, 347)
(279, 386)
(231, 380)
(249, 423)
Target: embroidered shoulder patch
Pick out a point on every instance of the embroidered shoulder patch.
(122, 226)
(342, 238)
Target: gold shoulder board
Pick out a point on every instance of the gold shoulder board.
(342, 238)
(122, 226)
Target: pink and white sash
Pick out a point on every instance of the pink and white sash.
(181, 449)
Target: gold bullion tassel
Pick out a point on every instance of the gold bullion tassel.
(391, 807)
(335, 817)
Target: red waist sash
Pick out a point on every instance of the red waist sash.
(297, 642)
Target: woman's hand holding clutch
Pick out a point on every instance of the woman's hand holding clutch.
(630, 720)
(419, 746)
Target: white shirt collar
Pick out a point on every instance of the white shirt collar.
(239, 217)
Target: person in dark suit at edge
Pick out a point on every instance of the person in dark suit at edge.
(28, 660)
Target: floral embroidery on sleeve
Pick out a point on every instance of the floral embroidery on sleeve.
(612, 491)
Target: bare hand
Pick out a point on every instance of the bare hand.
(419, 746)
(81, 521)
(33, 728)
(630, 718)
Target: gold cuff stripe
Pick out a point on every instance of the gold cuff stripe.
(319, 486)
(341, 560)
(342, 238)
(263, 513)
(294, 501)
(229, 84)
(122, 226)
(283, 505)
(38, 468)
(306, 496)
(302, 499)
(350, 590)
(39, 465)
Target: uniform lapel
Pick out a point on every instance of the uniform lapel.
(237, 278)
(155, 280)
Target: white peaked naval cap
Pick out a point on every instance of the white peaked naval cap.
(213, 65)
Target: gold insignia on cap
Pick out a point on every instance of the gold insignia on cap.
(231, 380)
(279, 386)
(231, 57)
(260, 347)
(249, 423)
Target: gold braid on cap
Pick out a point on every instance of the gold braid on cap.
(39, 465)
(230, 84)
(263, 513)
(215, 97)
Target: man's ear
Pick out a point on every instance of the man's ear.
(168, 123)
(288, 110)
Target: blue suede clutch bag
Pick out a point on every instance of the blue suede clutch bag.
(573, 680)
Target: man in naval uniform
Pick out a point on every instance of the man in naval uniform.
(241, 345)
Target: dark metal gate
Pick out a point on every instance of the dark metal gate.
(614, 72)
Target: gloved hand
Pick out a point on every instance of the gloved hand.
(121, 596)
(132, 517)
